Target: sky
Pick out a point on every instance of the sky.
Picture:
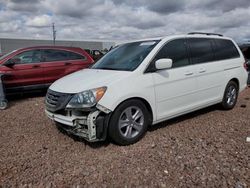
(121, 20)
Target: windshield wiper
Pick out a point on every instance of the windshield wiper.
(106, 68)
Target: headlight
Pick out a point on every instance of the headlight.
(87, 99)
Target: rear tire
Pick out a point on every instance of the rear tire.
(129, 122)
(230, 96)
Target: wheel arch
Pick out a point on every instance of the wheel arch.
(236, 81)
(144, 101)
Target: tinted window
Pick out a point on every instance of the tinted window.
(175, 50)
(75, 56)
(225, 49)
(32, 56)
(201, 50)
(55, 55)
(60, 55)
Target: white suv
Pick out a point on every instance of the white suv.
(145, 82)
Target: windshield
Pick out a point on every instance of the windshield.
(126, 57)
(4, 56)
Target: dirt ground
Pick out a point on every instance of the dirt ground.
(207, 148)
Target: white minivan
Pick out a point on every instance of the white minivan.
(145, 82)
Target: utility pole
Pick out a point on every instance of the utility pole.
(54, 33)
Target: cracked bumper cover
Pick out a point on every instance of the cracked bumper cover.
(92, 127)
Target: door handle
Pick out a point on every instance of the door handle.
(202, 70)
(67, 63)
(189, 73)
(36, 66)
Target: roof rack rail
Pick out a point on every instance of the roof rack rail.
(201, 33)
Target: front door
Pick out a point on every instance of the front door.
(175, 88)
(26, 71)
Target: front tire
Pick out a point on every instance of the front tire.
(230, 96)
(129, 122)
(3, 104)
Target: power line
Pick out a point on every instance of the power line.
(54, 33)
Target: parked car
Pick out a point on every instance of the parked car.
(245, 48)
(38, 67)
(95, 54)
(146, 82)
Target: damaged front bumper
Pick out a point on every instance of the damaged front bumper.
(92, 126)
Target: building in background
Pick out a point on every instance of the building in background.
(7, 44)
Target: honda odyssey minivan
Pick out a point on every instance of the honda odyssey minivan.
(145, 82)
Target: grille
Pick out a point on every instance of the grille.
(56, 101)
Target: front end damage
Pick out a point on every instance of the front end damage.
(90, 124)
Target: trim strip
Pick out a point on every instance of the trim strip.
(231, 68)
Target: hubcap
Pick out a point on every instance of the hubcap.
(231, 95)
(131, 122)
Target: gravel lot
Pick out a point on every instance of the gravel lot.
(206, 148)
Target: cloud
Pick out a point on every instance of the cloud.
(122, 19)
(159, 6)
(23, 5)
(223, 5)
(39, 21)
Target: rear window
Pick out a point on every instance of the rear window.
(75, 56)
(201, 50)
(225, 49)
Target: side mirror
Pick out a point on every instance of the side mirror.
(9, 63)
(161, 64)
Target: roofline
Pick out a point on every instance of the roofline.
(48, 46)
(59, 40)
(198, 35)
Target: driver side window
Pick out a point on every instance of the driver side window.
(32, 56)
(175, 50)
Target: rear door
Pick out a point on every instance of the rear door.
(59, 63)
(27, 71)
(209, 69)
(175, 88)
(54, 64)
(76, 62)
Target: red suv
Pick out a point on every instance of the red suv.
(38, 67)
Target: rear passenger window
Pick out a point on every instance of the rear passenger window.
(175, 50)
(201, 50)
(225, 49)
(55, 55)
(75, 56)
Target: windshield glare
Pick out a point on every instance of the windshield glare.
(126, 57)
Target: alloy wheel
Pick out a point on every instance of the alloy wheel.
(131, 122)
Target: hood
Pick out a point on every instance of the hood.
(87, 79)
